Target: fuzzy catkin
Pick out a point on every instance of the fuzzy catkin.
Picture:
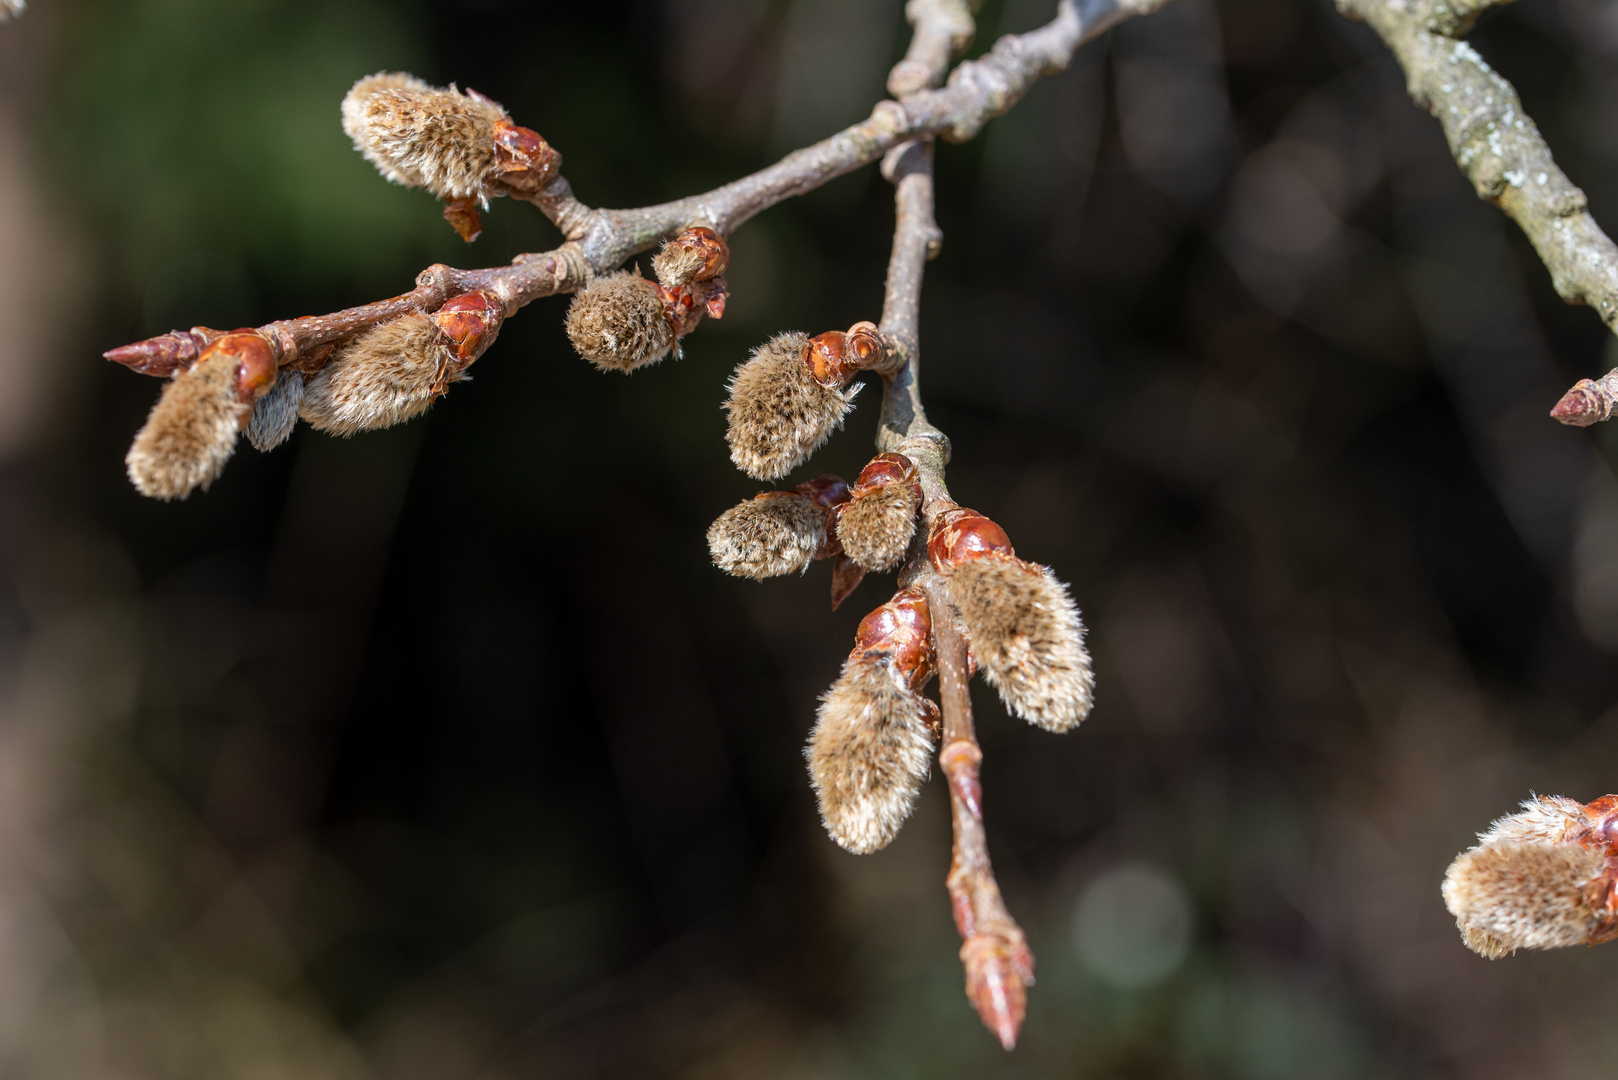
(191, 431)
(767, 537)
(1530, 895)
(276, 413)
(868, 754)
(779, 415)
(877, 526)
(383, 377)
(678, 264)
(1028, 638)
(423, 136)
(1544, 818)
(617, 323)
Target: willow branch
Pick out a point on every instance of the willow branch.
(600, 240)
(1501, 151)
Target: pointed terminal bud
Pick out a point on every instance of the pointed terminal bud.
(618, 323)
(872, 742)
(1589, 402)
(698, 254)
(387, 375)
(998, 971)
(165, 354)
(192, 429)
(878, 524)
(1026, 632)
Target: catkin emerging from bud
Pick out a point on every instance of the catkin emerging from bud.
(191, 431)
(877, 525)
(618, 323)
(1028, 638)
(698, 254)
(276, 413)
(1525, 896)
(387, 375)
(868, 754)
(776, 533)
(422, 136)
(779, 414)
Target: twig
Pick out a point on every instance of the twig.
(1501, 151)
(598, 241)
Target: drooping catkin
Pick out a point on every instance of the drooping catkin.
(868, 754)
(1517, 895)
(618, 323)
(877, 526)
(777, 533)
(191, 431)
(1542, 818)
(1028, 638)
(779, 415)
(276, 413)
(423, 136)
(385, 376)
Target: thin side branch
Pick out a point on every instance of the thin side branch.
(598, 241)
(1499, 148)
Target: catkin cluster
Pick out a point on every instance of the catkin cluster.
(623, 322)
(1538, 879)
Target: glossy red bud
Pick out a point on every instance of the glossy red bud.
(524, 161)
(469, 323)
(256, 368)
(961, 534)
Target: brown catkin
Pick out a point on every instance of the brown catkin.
(768, 537)
(1523, 896)
(779, 414)
(678, 264)
(1545, 818)
(276, 413)
(422, 136)
(383, 377)
(618, 324)
(877, 526)
(868, 754)
(191, 431)
(1028, 638)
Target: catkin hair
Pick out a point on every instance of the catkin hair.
(191, 431)
(1028, 638)
(1516, 895)
(617, 323)
(768, 537)
(276, 413)
(422, 136)
(678, 264)
(385, 376)
(779, 414)
(877, 526)
(868, 754)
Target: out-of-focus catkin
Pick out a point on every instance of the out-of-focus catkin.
(423, 136)
(872, 745)
(1025, 629)
(191, 432)
(775, 533)
(877, 525)
(779, 414)
(385, 376)
(276, 413)
(1545, 877)
(618, 323)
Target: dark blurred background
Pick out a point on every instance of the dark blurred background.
(444, 753)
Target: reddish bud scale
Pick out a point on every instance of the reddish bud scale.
(886, 469)
(846, 574)
(469, 322)
(463, 216)
(524, 161)
(255, 363)
(684, 305)
(999, 968)
(902, 628)
(835, 357)
(1599, 832)
(960, 535)
(825, 491)
(709, 246)
(165, 354)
